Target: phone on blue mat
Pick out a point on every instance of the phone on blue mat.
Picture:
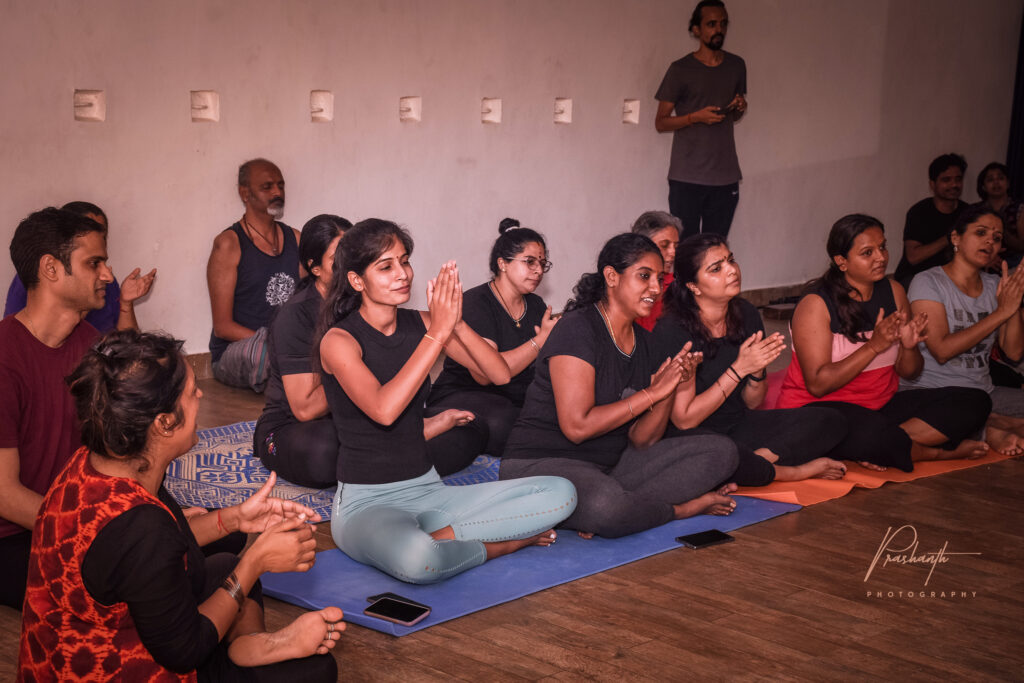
(397, 610)
(702, 539)
(395, 596)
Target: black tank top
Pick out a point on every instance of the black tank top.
(882, 298)
(263, 283)
(371, 453)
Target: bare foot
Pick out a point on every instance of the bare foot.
(968, 449)
(586, 534)
(767, 454)
(311, 633)
(872, 466)
(500, 548)
(712, 503)
(1004, 441)
(819, 468)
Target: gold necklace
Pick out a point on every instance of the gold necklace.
(494, 288)
(249, 230)
(608, 324)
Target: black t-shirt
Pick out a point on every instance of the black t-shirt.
(925, 224)
(582, 334)
(290, 342)
(369, 452)
(670, 335)
(152, 562)
(484, 313)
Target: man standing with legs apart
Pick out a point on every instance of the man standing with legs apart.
(699, 100)
(252, 269)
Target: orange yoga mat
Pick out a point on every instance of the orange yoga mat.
(811, 491)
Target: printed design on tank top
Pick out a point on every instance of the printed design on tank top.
(279, 288)
(976, 357)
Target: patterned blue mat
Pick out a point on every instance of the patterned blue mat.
(221, 470)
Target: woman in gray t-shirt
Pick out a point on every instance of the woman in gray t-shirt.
(969, 311)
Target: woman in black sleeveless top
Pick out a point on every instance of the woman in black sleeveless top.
(508, 315)
(391, 510)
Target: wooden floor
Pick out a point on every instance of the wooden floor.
(788, 600)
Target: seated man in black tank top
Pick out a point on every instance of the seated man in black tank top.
(252, 269)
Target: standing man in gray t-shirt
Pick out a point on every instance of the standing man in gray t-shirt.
(699, 99)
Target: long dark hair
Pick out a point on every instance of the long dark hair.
(362, 244)
(620, 252)
(511, 242)
(852, 318)
(317, 234)
(121, 385)
(681, 303)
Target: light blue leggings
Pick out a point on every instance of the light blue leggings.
(388, 526)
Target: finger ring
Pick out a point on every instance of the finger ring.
(330, 627)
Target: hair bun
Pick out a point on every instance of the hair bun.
(507, 224)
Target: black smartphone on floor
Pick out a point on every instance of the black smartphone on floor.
(703, 539)
(395, 596)
(397, 611)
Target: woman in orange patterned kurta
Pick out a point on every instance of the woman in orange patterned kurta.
(118, 588)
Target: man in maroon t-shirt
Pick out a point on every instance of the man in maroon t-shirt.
(62, 259)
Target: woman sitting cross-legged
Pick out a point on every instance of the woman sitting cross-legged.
(391, 510)
(118, 587)
(295, 436)
(510, 317)
(968, 311)
(600, 402)
(703, 308)
(852, 341)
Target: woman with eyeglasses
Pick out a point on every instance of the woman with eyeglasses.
(511, 318)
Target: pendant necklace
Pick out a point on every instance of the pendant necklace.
(249, 230)
(494, 288)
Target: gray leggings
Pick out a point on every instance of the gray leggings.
(639, 491)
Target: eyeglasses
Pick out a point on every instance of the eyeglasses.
(532, 263)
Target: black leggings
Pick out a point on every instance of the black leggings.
(491, 409)
(14, 552)
(304, 453)
(796, 435)
(639, 491)
(875, 436)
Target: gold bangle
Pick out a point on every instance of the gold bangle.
(427, 336)
(534, 344)
(649, 398)
(630, 406)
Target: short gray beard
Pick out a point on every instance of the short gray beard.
(276, 210)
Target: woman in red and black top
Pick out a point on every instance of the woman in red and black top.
(118, 587)
(853, 338)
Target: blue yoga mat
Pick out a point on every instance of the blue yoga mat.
(338, 580)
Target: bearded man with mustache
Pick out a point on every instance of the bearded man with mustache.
(699, 100)
(252, 270)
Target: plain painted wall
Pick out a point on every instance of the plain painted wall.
(849, 101)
